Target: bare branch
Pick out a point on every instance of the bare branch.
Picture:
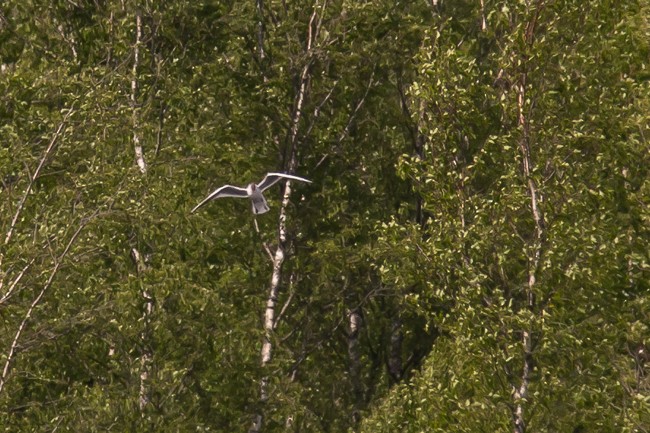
(32, 178)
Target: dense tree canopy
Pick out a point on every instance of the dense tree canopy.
(472, 254)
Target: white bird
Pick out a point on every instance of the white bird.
(253, 191)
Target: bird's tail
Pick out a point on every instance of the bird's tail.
(259, 205)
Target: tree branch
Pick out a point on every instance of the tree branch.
(38, 298)
(11, 288)
(287, 302)
(34, 176)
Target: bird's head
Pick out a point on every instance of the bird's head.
(251, 188)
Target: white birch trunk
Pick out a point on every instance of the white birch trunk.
(139, 153)
(354, 326)
(521, 393)
(259, 4)
(146, 355)
(280, 252)
(148, 305)
(272, 300)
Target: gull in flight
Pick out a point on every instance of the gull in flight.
(253, 191)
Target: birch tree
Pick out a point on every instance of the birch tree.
(291, 164)
(520, 276)
(470, 256)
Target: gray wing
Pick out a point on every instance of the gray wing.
(272, 178)
(224, 191)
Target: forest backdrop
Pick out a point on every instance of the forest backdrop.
(472, 255)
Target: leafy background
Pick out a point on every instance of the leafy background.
(415, 121)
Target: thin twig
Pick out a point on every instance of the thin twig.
(288, 301)
(351, 117)
(264, 244)
(33, 177)
(317, 110)
(15, 282)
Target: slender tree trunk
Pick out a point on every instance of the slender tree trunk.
(145, 335)
(414, 123)
(271, 302)
(274, 288)
(144, 396)
(521, 393)
(280, 253)
(278, 262)
(137, 145)
(259, 5)
(354, 326)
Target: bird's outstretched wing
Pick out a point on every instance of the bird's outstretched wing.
(272, 178)
(224, 191)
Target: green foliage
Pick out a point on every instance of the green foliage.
(585, 134)
(419, 215)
